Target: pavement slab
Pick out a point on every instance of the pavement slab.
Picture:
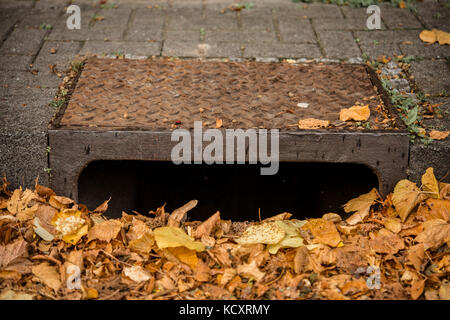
(432, 76)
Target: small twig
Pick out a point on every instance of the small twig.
(111, 256)
(110, 296)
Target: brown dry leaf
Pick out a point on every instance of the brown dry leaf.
(185, 255)
(428, 36)
(415, 256)
(434, 209)
(438, 135)
(207, 226)
(386, 242)
(43, 191)
(311, 123)
(219, 123)
(70, 226)
(357, 113)
(352, 287)
(301, 260)
(12, 251)
(250, 270)
(323, 232)
(430, 184)
(405, 198)
(13, 295)
(444, 290)
(228, 275)
(19, 200)
(445, 190)
(105, 231)
(144, 244)
(103, 207)
(393, 224)
(361, 205)
(10, 275)
(179, 215)
(48, 275)
(60, 202)
(89, 293)
(417, 287)
(436, 232)
(136, 273)
(280, 216)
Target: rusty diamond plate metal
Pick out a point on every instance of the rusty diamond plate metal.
(158, 93)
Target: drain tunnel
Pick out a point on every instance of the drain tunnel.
(237, 191)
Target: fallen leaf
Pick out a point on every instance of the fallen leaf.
(41, 232)
(103, 207)
(386, 242)
(70, 226)
(185, 255)
(170, 237)
(323, 232)
(430, 184)
(415, 256)
(179, 215)
(292, 238)
(434, 209)
(417, 287)
(311, 123)
(438, 135)
(393, 224)
(266, 233)
(207, 226)
(442, 36)
(105, 231)
(405, 198)
(143, 244)
(136, 273)
(444, 291)
(361, 205)
(428, 36)
(60, 202)
(13, 295)
(48, 275)
(436, 232)
(12, 251)
(357, 113)
(250, 270)
(219, 123)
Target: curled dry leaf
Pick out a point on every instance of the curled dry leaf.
(179, 215)
(207, 226)
(323, 232)
(361, 205)
(430, 184)
(357, 113)
(103, 207)
(60, 202)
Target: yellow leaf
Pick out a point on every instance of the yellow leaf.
(143, 244)
(219, 123)
(266, 233)
(186, 256)
(393, 224)
(402, 4)
(430, 184)
(74, 237)
(323, 231)
(70, 226)
(292, 238)
(442, 36)
(405, 198)
(361, 205)
(438, 135)
(170, 237)
(90, 293)
(357, 113)
(428, 36)
(311, 123)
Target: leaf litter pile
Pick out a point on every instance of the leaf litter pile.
(392, 248)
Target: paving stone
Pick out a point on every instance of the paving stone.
(112, 27)
(255, 20)
(258, 36)
(7, 4)
(419, 48)
(51, 4)
(186, 4)
(341, 24)
(396, 18)
(431, 76)
(219, 36)
(183, 35)
(434, 15)
(7, 21)
(377, 43)
(433, 155)
(65, 52)
(360, 13)
(281, 50)
(15, 62)
(61, 32)
(439, 123)
(23, 42)
(26, 110)
(313, 10)
(338, 44)
(298, 30)
(147, 24)
(210, 50)
(24, 157)
(186, 19)
(103, 48)
(215, 20)
(19, 81)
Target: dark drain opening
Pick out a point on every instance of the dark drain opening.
(237, 191)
